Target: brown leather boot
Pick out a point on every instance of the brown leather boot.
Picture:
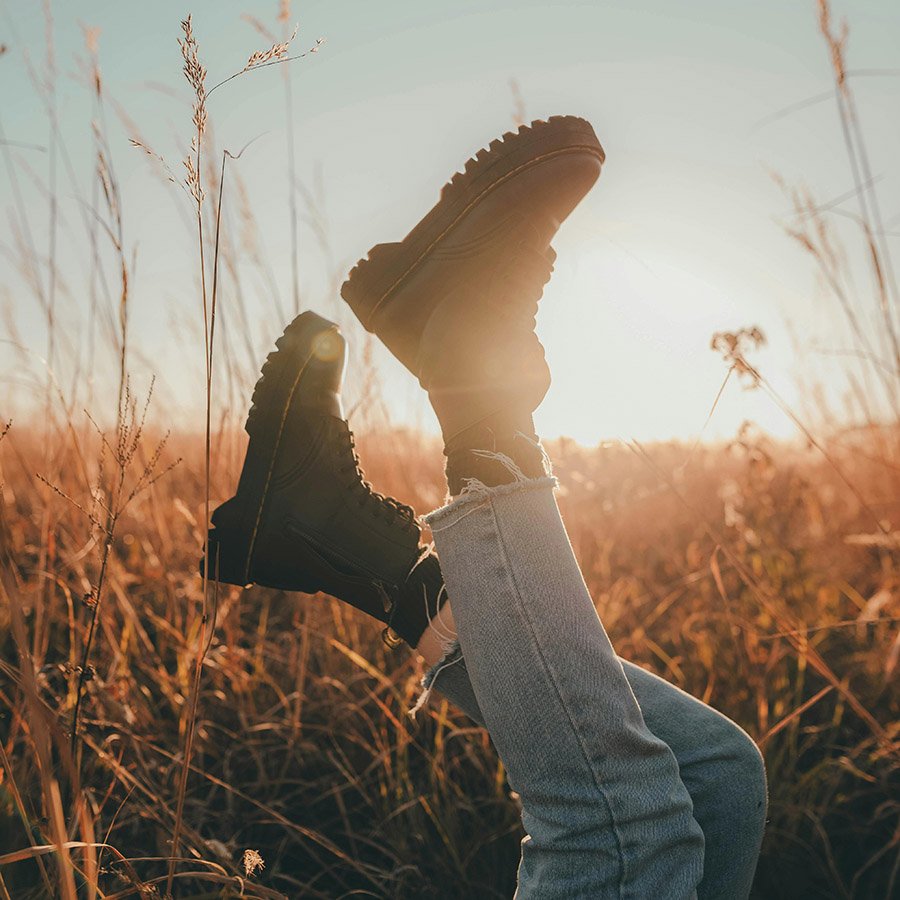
(455, 300)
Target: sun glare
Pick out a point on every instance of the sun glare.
(628, 332)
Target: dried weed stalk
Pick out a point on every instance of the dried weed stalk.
(110, 498)
(196, 73)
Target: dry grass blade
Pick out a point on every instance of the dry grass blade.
(795, 714)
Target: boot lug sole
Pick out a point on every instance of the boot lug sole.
(377, 277)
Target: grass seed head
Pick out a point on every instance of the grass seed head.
(275, 52)
(252, 863)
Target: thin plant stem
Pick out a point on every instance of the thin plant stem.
(198, 663)
(205, 636)
(292, 185)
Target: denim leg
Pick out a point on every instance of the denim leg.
(724, 773)
(719, 763)
(605, 810)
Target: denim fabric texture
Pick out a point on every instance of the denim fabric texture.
(718, 761)
(630, 788)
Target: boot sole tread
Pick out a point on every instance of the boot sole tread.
(378, 275)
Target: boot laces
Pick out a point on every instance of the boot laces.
(380, 506)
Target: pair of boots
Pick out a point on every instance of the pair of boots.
(455, 301)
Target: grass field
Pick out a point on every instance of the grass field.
(159, 734)
(746, 577)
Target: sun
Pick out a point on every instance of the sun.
(627, 331)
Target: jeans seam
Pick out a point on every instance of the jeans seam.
(559, 694)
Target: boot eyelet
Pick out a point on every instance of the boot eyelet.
(391, 638)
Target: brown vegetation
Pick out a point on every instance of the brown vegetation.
(158, 734)
(749, 577)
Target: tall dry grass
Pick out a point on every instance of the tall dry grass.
(157, 738)
(750, 579)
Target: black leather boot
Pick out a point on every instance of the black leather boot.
(303, 517)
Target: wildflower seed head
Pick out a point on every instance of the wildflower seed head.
(252, 863)
(192, 180)
(733, 345)
(195, 74)
(275, 52)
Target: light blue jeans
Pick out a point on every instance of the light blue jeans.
(630, 788)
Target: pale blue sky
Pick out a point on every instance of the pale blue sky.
(678, 239)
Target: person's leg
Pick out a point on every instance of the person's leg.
(719, 764)
(605, 810)
(724, 773)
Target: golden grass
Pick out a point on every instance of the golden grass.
(738, 582)
(156, 736)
